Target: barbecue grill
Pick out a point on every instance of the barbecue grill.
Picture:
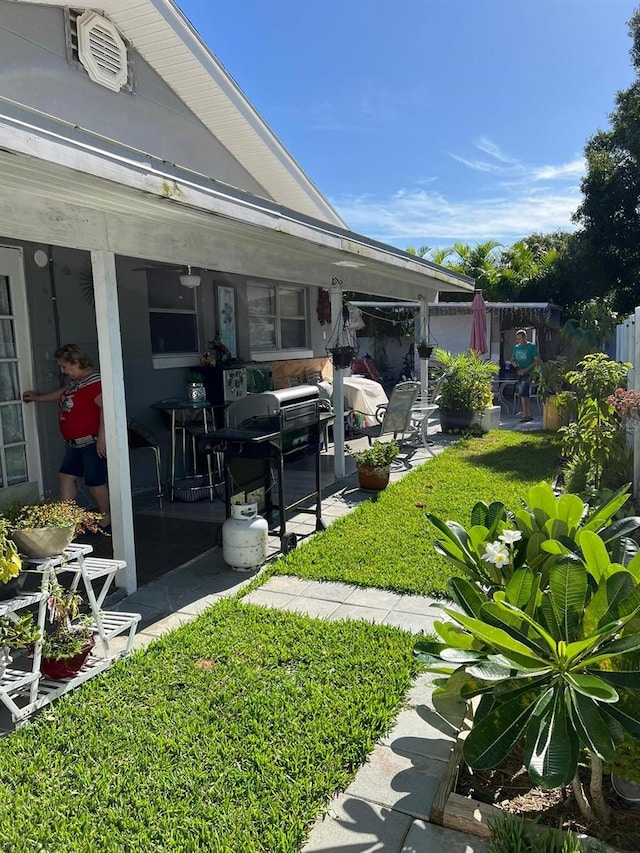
(261, 429)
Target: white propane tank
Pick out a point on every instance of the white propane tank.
(245, 537)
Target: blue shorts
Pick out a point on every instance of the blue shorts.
(524, 387)
(85, 462)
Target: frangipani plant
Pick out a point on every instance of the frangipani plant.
(547, 636)
(557, 669)
(499, 541)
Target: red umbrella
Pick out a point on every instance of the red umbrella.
(478, 342)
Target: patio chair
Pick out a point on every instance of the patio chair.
(395, 416)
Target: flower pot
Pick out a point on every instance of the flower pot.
(424, 350)
(342, 356)
(196, 392)
(453, 419)
(42, 542)
(626, 790)
(552, 419)
(12, 587)
(67, 667)
(373, 479)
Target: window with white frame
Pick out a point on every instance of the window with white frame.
(277, 316)
(173, 318)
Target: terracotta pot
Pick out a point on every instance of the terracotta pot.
(67, 667)
(373, 479)
(43, 542)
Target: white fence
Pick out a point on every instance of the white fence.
(628, 350)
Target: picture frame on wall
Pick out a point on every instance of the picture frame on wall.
(226, 302)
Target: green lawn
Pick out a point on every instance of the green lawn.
(227, 736)
(388, 543)
(232, 733)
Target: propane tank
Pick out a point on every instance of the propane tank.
(245, 537)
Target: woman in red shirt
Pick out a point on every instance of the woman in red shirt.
(82, 427)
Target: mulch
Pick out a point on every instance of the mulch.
(509, 787)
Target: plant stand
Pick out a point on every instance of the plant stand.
(25, 690)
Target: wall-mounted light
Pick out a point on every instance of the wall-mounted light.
(189, 279)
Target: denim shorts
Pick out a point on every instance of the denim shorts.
(85, 462)
(524, 387)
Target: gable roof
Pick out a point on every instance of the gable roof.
(163, 36)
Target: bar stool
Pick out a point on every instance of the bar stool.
(141, 438)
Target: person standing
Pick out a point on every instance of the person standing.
(82, 426)
(525, 358)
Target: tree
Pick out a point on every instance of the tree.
(610, 212)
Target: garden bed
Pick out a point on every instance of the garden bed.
(470, 801)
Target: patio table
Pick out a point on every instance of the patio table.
(171, 406)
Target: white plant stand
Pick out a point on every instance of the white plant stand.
(25, 690)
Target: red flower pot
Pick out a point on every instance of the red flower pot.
(67, 667)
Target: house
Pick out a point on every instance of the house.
(128, 156)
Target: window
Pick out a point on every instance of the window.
(277, 316)
(173, 319)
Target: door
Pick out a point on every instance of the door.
(19, 450)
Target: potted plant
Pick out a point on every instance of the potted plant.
(45, 529)
(374, 464)
(342, 356)
(550, 378)
(424, 348)
(19, 634)
(195, 387)
(464, 389)
(68, 642)
(11, 575)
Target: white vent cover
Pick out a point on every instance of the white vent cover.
(102, 51)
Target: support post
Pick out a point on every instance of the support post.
(338, 388)
(424, 362)
(105, 289)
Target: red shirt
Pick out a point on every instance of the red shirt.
(77, 408)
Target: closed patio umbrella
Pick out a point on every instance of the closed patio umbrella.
(478, 341)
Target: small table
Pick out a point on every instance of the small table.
(171, 406)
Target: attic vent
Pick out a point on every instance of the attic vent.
(102, 51)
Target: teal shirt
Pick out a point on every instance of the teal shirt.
(524, 355)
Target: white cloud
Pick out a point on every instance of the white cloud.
(518, 200)
(411, 216)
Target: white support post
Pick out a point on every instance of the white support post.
(115, 413)
(338, 388)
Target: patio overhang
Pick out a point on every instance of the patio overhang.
(131, 204)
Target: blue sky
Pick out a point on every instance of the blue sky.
(426, 122)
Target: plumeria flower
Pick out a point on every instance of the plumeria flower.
(496, 553)
(510, 537)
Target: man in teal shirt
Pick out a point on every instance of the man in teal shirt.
(525, 358)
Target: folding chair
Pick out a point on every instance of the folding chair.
(396, 414)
